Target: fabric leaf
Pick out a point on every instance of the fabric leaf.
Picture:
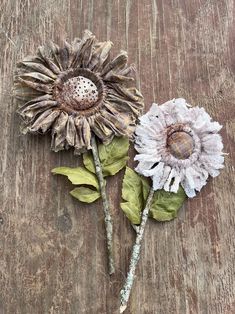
(85, 194)
(134, 192)
(78, 176)
(165, 205)
(113, 157)
(135, 189)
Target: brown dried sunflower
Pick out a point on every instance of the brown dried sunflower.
(77, 90)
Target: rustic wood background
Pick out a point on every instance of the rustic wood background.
(52, 251)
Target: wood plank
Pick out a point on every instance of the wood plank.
(53, 257)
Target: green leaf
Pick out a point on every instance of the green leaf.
(85, 194)
(135, 189)
(132, 212)
(134, 192)
(113, 157)
(112, 169)
(78, 176)
(165, 205)
(88, 162)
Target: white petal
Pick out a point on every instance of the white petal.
(154, 170)
(168, 181)
(212, 143)
(167, 170)
(189, 177)
(144, 165)
(157, 175)
(175, 186)
(145, 157)
(189, 191)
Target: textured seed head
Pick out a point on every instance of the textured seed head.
(80, 91)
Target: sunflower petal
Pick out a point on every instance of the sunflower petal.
(39, 67)
(64, 57)
(122, 104)
(79, 141)
(38, 76)
(44, 121)
(58, 132)
(83, 50)
(127, 93)
(32, 110)
(100, 55)
(37, 86)
(46, 54)
(116, 64)
(57, 54)
(70, 131)
(86, 133)
(117, 78)
(116, 125)
(102, 131)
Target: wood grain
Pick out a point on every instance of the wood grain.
(52, 252)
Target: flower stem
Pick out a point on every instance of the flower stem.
(108, 219)
(135, 255)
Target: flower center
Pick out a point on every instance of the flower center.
(79, 90)
(180, 144)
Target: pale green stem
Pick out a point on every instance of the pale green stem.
(107, 219)
(135, 255)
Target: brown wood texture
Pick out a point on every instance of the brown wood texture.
(52, 250)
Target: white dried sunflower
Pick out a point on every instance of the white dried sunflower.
(76, 91)
(177, 145)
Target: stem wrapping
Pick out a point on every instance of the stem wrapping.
(108, 219)
(135, 255)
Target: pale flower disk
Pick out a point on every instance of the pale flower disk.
(196, 154)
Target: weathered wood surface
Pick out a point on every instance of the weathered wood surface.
(52, 251)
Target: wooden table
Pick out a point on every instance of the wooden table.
(52, 251)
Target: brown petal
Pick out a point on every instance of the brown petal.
(32, 110)
(86, 133)
(39, 122)
(79, 141)
(116, 64)
(37, 86)
(102, 131)
(46, 54)
(57, 54)
(39, 67)
(117, 127)
(127, 93)
(34, 100)
(70, 131)
(127, 71)
(38, 76)
(24, 93)
(70, 50)
(58, 132)
(64, 57)
(100, 55)
(34, 59)
(116, 78)
(83, 50)
(122, 104)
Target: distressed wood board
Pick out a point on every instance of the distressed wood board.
(52, 251)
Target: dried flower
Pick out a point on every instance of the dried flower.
(77, 90)
(178, 145)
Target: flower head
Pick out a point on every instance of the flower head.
(178, 145)
(77, 90)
